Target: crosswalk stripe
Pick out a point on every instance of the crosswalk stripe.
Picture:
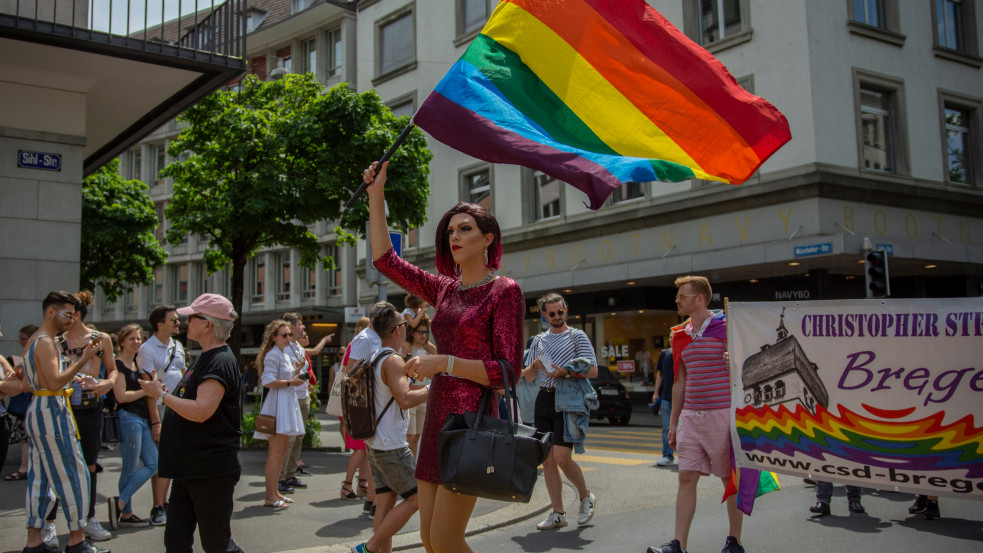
(586, 458)
(620, 449)
(630, 433)
(615, 439)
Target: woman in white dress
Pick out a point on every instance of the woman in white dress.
(280, 376)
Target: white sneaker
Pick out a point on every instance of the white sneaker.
(95, 532)
(49, 535)
(586, 509)
(665, 462)
(554, 520)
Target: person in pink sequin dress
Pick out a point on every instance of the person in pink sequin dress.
(479, 320)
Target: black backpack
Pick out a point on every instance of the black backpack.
(358, 397)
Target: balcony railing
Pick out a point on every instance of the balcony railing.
(213, 31)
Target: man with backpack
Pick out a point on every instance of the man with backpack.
(379, 384)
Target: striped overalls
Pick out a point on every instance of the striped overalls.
(56, 462)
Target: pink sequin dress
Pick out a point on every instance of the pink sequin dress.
(485, 322)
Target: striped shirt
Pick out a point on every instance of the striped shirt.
(562, 348)
(707, 374)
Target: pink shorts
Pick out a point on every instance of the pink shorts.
(703, 441)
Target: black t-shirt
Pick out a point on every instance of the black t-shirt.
(137, 407)
(191, 450)
(668, 376)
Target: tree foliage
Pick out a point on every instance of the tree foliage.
(119, 248)
(268, 160)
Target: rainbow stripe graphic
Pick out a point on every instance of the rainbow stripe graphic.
(883, 440)
(598, 93)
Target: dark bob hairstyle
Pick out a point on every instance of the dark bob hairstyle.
(486, 223)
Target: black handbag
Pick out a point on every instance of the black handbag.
(490, 457)
(110, 427)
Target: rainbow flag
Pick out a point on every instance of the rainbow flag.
(748, 484)
(598, 93)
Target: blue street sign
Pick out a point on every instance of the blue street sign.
(889, 248)
(38, 160)
(814, 249)
(397, 239)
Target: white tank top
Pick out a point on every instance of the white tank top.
(391, 431)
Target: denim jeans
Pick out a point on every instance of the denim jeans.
(666, 412)
(138, 445)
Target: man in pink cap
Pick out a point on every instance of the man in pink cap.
(199, 437)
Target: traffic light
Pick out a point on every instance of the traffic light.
(878, 285)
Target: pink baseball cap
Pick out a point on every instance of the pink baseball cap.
(212, 305)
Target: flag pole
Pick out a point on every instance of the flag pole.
(385, 157)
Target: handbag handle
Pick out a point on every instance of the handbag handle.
(510, 398)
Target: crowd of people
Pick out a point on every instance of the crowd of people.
(180, 421)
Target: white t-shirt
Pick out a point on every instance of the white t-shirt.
(295, 352)
(364, 345)
(154, 355)
(409, 312)
(391, 431)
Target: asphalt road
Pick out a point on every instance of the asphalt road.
(635, 509)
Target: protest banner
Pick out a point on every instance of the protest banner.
(884, 394)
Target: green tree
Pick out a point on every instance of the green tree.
(119, 248)
(266, 161)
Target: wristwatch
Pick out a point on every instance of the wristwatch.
(161, 398)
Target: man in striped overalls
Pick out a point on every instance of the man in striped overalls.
(56, 459)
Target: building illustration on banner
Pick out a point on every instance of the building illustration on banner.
(782, 374)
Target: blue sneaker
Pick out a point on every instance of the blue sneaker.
(360, 548)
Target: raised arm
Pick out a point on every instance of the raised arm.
(378, 226)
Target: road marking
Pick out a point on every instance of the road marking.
(622, 450)
(611, 460)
